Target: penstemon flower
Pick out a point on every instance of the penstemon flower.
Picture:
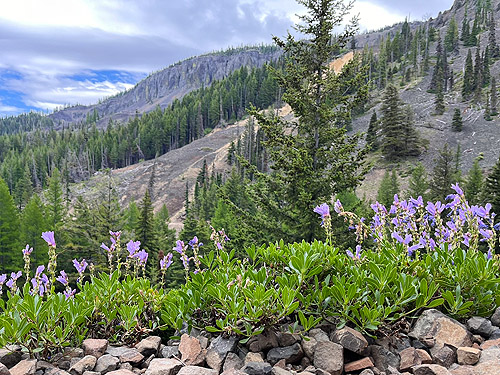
(80, 268)
(52, 265)
(165, 262)
(27, 261)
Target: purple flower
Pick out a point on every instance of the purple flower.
(80, 266)
(142, 256)
(324, 209)
(45, 279)
(434, 209)
(489, 256)
(466, 240)
(457, 189)
(357, 255)
(27, 250)
(39, 270)
(219, 246)
(133, 247)
(49, 238)
(16, 275)
(105, 247)
(63, 279)
(400, 239)
(193, 242)
(166, 262)
(179, 247)
(69, 293)
(419, 202)
(486, 234)
(10, 283)
(115, 234)
(3, 277)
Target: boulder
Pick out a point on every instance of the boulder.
(358, 365)
(218, 350)
(87, 363)
(169, 351)
(10, 358)
(196, 370)
(287, 338)
(468, 356)
(190, 349)
(383, 358)
(149, 345)
(94, 347)
(430, 370)
(265, 341)
(308, 346)
(409, 358)
(290, 354)
(121, 372)
(444, 356)
(480, 326)
(490, 344)
(106, 363)
(257, 368)
(329, 356)
(163, 366)
(350, 339)
(318, 334)
(4, 370)
(132, 356)
(25, 367)
(495, 318)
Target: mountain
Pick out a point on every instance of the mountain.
(161, 88)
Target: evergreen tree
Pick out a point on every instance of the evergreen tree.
(457, 123)
(418, 184)
(485, 71)
(478, 78)
(439, 101)
(492, 188)
(464, 37)
(55, 204)
(33, 223)
(388, 187)
(443, 174)
(371, 134)
(10, 258)
(438, 73)
(24, 189)
(492, 41)
(474, 183)
(165, 235)
(493, 96)
(145, 233)
(132, 217)
(487, 110)
(451, 37)
(468, 85)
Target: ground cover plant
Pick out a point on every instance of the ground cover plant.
(410, 256)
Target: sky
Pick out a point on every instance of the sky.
(65, 52)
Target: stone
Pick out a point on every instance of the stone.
(444, 356)
(408, 358)
(490, 344)
(196, 370)
(366, 372)
(329, 356)
(190, 349)
(132, 356)
(106, 363)
(24, 367)
(468, 356)
(87, 363)
(233, 371)
(461, 370)
(480, 326)
(73, 352)
(94, 347)
(495, 334)
(57, 371)
(169, 351)
(305, 362)
(121, 372)
(290, 354)
(281, 364)
(308, 347)
(263, 342)
(149, 345)
(126, 366)
(281, 371)
(253, 357)
(164, 366)
(495, 318)
(350, 339)
(430, 370)
(287, 338)
(358, 365)
(392, 371)
(218, 350)
(91, 373)
(383, 358)
(445, 330)
(257, 368)
(10, 358)
(232, 361)
(146, 362)
(417, 344)
(319, 335)
(425, 357)
(4, 370)
(117, 351)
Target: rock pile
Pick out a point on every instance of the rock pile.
(437, 345)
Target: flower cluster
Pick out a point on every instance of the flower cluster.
(219, 238)
(40, 282)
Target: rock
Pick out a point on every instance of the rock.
(146, 362)
(358, 365)
(263, 342)
(305, 362)
(425, 358)
(257, 368)
(461, 370)
(409, 358)
(480, 326)
(490, 344)
(329, 356)
(196, 370)
(91, 373)
(57, 371)
(253, 357)
(287, 338)
(94, 347)
(4, 370)
(290, 354)
(468, 356)
(444, 356)
(490, 355)
(318, 334)
(132, 356)
(149, 345)
(281, 364)
(281, 371)
(164, 366)
(495, 334)
(87, 363)
(191, 351)
(106, 363)
(445, 330)
(308, 346)
(366, 372)
(233, 371)
(417, 344)
(430, 370)
(169, 351)
(24, 367)
(10, 358)
(121, 372)
(218, 350)
(392, 371)
(383, 358)
(495, 318)
(126, 366)
(350, 339)
(233, 361)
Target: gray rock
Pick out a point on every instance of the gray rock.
(308, 346)
(281, 371)
(132, 356)
(495, 334)
(233, 361)
(218, 350)
(430, 370)
(121, 372)
(263, 342)
(350, 339)
(4, 370)
(480, 326)
(290, 354)
(164, 366)
(196, 370)
(318, 334)
(24, 367)
(106, 363)
(329, 356)
(149, 345)
(10, 358)
(383, 358)
(444, 356)
(495, 318)
(94, 347)
(257, 368)
(146, 362)
(91, 373)
(287, 338)
(366, 371)
(169, 351)
(57, 371)
(87, 363)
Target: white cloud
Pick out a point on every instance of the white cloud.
(373, 17)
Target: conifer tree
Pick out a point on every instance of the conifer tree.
(145, 232)
(493, 97)
(487, 110)
(132, 217)
(492, 188)
(24, 189)
(468, 84)
(474, 183)
(10, 260)
(371, 134)
(443, 174)
(437, 74)
(55, 205)
(457, 123)
(388, 187)
(439, 100)
(478, 78)
(33, 223)
(418, 184)
(485, 71)
(492, 40)
(165, 235)
(464, 37)
(451, 37)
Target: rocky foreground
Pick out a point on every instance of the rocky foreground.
(436, 345)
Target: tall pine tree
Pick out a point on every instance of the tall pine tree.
(10, 251)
